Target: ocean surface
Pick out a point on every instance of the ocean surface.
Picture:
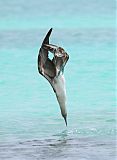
(31, 126)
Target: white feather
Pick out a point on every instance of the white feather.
(59, 86)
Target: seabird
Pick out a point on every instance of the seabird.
(53, 70)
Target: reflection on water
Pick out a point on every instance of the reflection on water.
(63, 134)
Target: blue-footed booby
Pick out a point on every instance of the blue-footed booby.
(53, 70)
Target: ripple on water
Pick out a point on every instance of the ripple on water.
(60, 148)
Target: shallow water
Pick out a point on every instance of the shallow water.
(31, 126)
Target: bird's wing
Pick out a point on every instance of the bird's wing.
(45, 66)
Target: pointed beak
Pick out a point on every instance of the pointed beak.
(65, 118)
(50, 47)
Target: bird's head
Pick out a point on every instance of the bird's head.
(57, 51)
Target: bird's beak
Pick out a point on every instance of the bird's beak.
(65, 118)
(50, 47)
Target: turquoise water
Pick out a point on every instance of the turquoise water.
(31, 126)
